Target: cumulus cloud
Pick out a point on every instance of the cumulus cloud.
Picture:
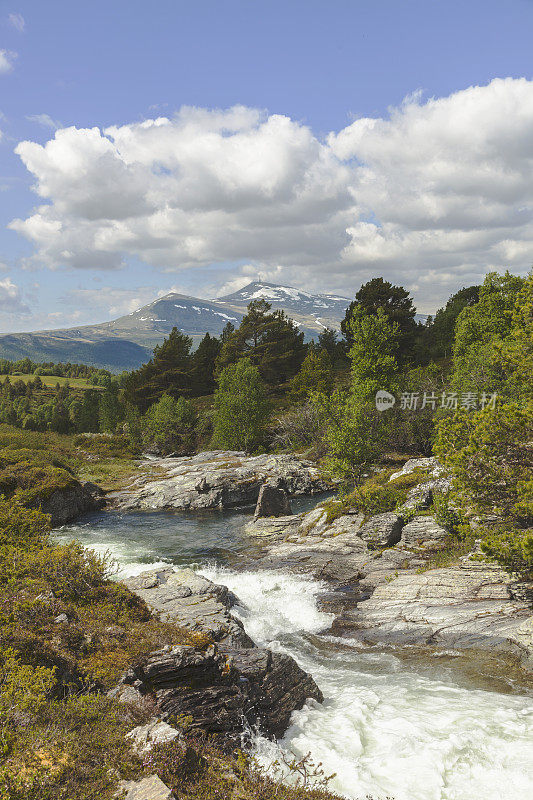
(7, 58)
(18, 22)
(11, 301)
(438, 188)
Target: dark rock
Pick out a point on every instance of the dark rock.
(382, 530)
(222, 687)
(272, 502)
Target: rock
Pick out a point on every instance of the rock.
(128, 695)
(144, 737)
(151, 788)
(192, 601)
(429, 464)
(69, 503)
(220, 688)
(61, 619)
(382, 530)
(458, 607)
(218, 479)
(272, 502)
(423, 532)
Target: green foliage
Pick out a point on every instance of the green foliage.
(355, 431)
(441, 331)
(481, 331)
(315, 375)
(241, 408)
(397, 307)
(510, 547)
(376, 495)
(169, 426)
(203, 365)
(168, 372)
(21, 527)
(490, 458)
(270, 340)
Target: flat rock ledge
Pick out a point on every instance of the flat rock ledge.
(383, 592)
(223, 687)
(216, 479)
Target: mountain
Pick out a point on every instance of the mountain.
(312, 312)
(127, 342)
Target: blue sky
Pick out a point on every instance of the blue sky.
(207, 202)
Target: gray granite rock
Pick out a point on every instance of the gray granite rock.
(382, 530)
(423, 532)
(464, 607)
(192, 601)
(144, 737)
(151, 788)
(217, 479)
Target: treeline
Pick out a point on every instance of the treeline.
(32, 406)
(28, 367)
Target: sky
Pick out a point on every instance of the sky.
(196, 146)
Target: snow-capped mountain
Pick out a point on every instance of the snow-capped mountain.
(313, 312)
(128, 341)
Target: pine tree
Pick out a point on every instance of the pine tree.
(270, 340)
(203, 365)
(167, 372)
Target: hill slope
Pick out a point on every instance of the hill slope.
(128, 341)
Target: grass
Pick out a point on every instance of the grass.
(37, 462)
(51, 381)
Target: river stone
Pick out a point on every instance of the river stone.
(463, 607)
(144, 737)
(70, 502)
(272, 502)
(192, 601)
(151, 788)
(423, 532)
(382, 530)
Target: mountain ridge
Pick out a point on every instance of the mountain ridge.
(128, 341)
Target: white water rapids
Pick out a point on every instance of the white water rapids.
(386, 729)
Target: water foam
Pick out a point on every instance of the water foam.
(384, 730)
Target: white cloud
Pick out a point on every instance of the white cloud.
(45, 120)
(7, 58)
(18, 22)
(437, 188)
(108, 301)
(11, 301)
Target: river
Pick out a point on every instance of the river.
(387, 727)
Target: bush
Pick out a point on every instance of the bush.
(169, 426)
(512, 548)
(241, 408)
(300, 429)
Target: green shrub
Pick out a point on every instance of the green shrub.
(169, 426)
(510, 547)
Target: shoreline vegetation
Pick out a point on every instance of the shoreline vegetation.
(68, 631)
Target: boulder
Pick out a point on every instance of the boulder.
(151, 788)
(221, 688)
(191, 601)
(217, 479)
(272, 502)
(144, 737)
(382, 530)
(423, 532)
(69, 503)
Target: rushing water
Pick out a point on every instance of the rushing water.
(385, 729)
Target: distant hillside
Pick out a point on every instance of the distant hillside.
(128, 341)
